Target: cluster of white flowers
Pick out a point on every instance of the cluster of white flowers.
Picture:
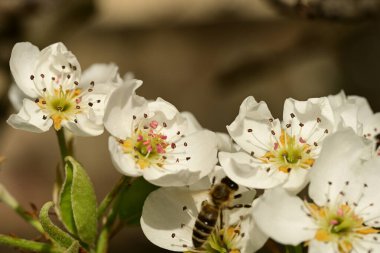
(208, 201)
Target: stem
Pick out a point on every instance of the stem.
(10, 201)
(109, 198)
(62, 145)
(105, 233)
(27, 245)
(294, 249)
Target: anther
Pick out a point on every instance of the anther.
(145, 115)
(185, 144)
(173, 235)
(75, 121)
(173, 145)
(92, 83)
(90, 90)
(90, 104)
(319, 120)
(178, 133)
(78, 107)
(164, 124)
(76, 83)
(270, 120)
(42, 76)
(184, 208)
(31, 77)
(301, 125)
(188, 158)
(326, 131)
(74, 68)
(98, 101)
(134, 117)
(273, 133)
(315, 144)
(292, 115)
(44, 117)
(68, 76)
(44, 89)
(288, 125)
(63, 67)
(249, 130)
(36, 100)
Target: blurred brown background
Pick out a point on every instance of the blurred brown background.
(204, 56)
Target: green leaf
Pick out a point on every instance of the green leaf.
(78, 202)
(74, 248)
(55, 233)
(132, 199)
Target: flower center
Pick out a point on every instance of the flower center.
(223, 240)
(339, 225)
(147, 145)
(289, 153)
(60, 105)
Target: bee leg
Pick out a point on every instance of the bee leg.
(213, 181)
(239, 206)
(237, 196)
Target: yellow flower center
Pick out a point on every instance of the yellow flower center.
(339, 225)
(147, 146)
(60, 105)
(289, 153)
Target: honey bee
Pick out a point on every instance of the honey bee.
(221, 196)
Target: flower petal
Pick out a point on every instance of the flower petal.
(30, 118)
(251, 129)
(341, 152)
(122, 106)
(163, 215)
(100, 73)
(22, 62)
(187, 162)
(297, 180)
(124, 163)
(243, 169)
(85, 126)
(325, 247)
(280, 216)
(315, 114)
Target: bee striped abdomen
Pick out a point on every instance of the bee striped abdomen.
(204, 225)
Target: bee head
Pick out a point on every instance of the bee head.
(231, 184)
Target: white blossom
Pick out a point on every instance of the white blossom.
(170, 213)
(273, 152)
(154, 140)
(345, 208)
(54, 92)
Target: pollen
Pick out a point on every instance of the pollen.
(147, 145)
(61, 105)
(289, 153)
(338, 224)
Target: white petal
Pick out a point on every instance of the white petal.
(192, 123)
(225, 143)
(30, 118)
(319, 247)
(202, 153)
(163, 215)
(100, 73)
(160, 105)
(242, 169)
(16, 96)
(366, 244)
(297, 180)
(22, 62)
(341, 152)
(280, 216)
(55, 61)
(123, 104)
(124, 163)
(86, 125)
(254, 116)
(307, 113)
